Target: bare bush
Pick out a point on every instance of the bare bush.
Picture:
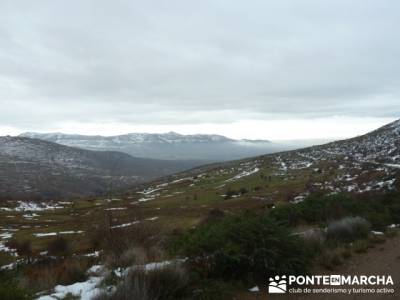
(23, 248)
(332, 258)
(314, 239)
(59, 246)
(46, 274)
(124, 246)
(169, 282)
(348, 229)
(130, 256)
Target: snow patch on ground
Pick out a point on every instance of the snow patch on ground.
(255, 289)
(86, 290)
(244, 174)
(30, 216)
(125, 224)
(89, 289)
(3, 238)
(393, 166)
(12, 265)
(149, 190)
(33, 206)
(299, 198)
(93, 254)
(57, 233)
(115, 208)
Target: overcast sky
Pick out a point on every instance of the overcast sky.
(247, 69)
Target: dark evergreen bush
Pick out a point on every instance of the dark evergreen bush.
(244, 247)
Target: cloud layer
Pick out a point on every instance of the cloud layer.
(196, 62)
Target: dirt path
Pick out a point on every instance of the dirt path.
(383, 259)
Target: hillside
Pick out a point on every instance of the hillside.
(381, 146)
(302, 190)
(167, 146)
(360, 165)
(36, 168)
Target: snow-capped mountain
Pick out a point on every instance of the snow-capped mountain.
(36, 167)
(169, 145)
(168, 138)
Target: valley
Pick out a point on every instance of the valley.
(363, 168)
(37, 169)
(169, 146)
(199, 150)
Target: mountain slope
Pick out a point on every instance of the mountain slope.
(368, 163)
(364, 168)
(381, 145)
(361, 165)
(32, 167)
(166, 146)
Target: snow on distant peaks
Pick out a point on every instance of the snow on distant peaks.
(139, 138)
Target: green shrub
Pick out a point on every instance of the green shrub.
(378, 219)
(379, 210)
(287, 214)
(316, 208)
(9, 289)
(214, 215)
(313, 209)
(212, 289)
(243, 247)
(243, 191)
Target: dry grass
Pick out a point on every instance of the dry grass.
(59, 246)
(46, 274)
(159, 284)
(23, 248)
(137, 243)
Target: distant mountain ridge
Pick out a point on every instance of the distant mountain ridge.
(169, 137)
(364, 165)
(32, 167)
(169, 145)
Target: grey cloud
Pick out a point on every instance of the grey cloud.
(194, 61)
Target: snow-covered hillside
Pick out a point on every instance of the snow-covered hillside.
(380, 146)
(370, 162)
(33, 167)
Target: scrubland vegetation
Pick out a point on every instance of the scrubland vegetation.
(223, 253)
(220, 231)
